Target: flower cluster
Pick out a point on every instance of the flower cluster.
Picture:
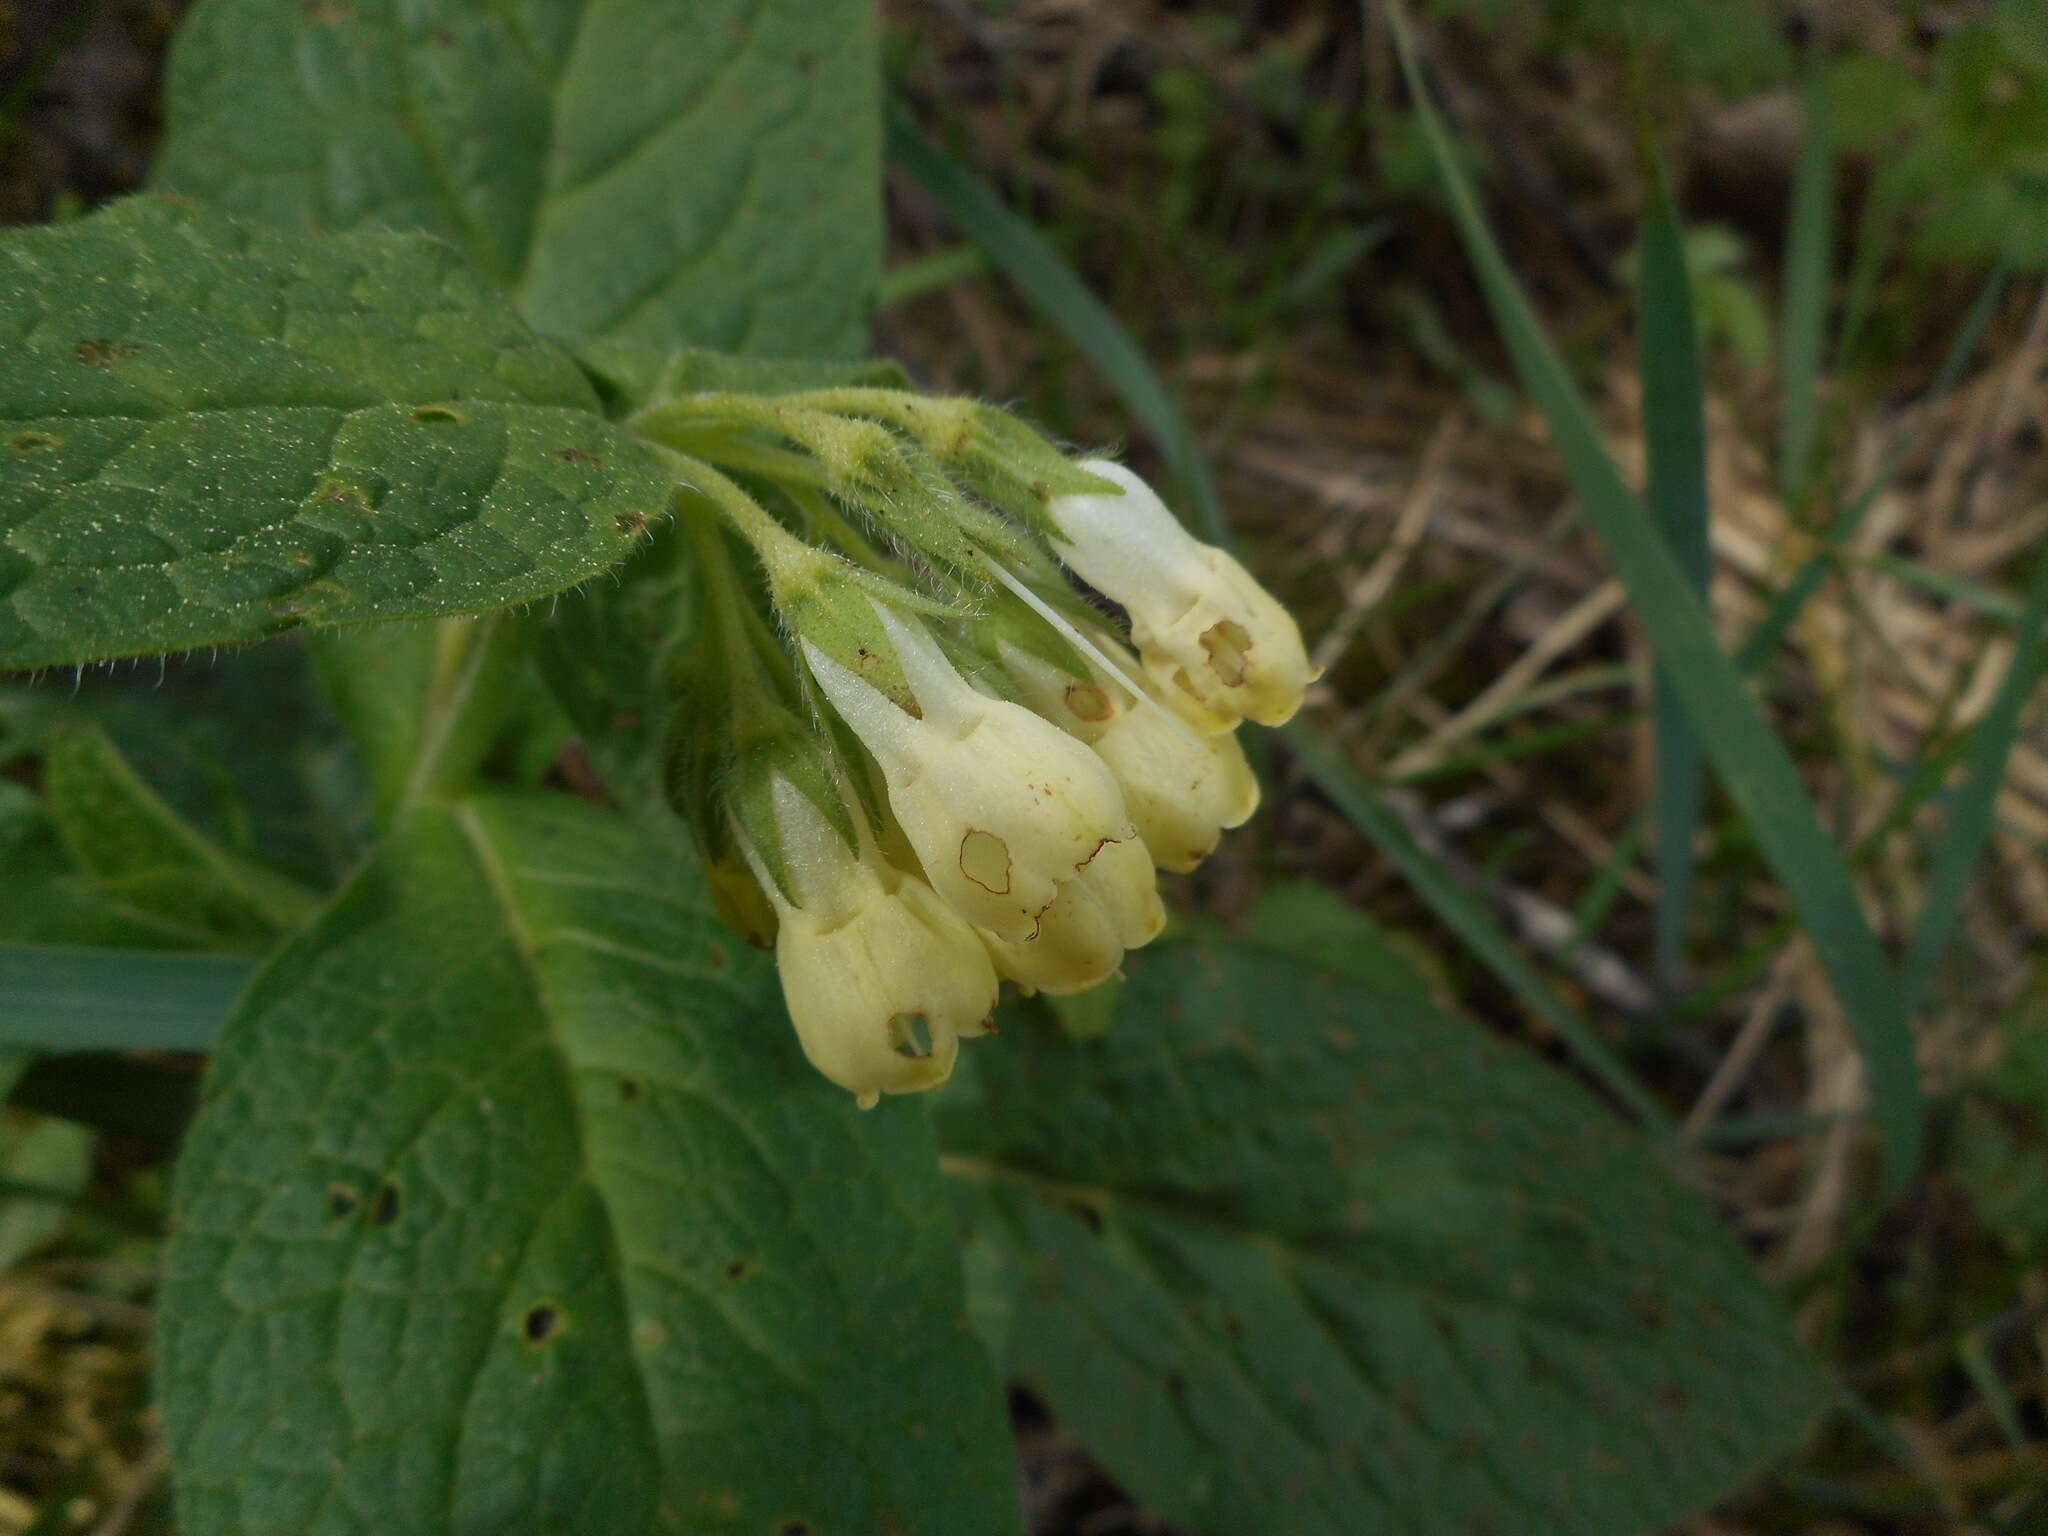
(959, 703)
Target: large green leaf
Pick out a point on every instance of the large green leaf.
(213, 432)
(635, 169)
(513, 1208)
(1293, 1251)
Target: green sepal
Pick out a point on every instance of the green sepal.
(976, 659)
(694, 752)
(1007, 621)
(998, 457)
(770, 742)
(857, 770)
(906, 490)
(831, 604)
(1014, 468)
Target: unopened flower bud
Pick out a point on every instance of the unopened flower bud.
(1182, 786)
(881, 978)
(1001, 806)
(1108, 907)
(1203, 625)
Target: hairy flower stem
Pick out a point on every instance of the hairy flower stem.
(783, 555)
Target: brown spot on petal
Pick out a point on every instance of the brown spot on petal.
(1100, 845)
(1229, 647)
(985, 859)
(1090, 703)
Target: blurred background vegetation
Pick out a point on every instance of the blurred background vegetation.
(1244, 183)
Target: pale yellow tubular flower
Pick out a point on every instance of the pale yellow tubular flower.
(1109, 907)
(1204, 626)
(882, 979)
(1000, 806)
(1182, 786)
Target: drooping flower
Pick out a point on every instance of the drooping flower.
(1182, 786)
(1001, 806)
(1110, 905)
(882, 979)
(1203, 626)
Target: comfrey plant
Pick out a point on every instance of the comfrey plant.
(920, 770)
(507, 356)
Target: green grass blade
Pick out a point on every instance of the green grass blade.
(1753, 764)
(1971, 810)
(59, 999)
(1995, 606)
(1803, 337)
(1675, 432)
(1459, 911)
(1049, 282)
(1762, 641)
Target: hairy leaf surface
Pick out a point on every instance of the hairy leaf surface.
(1293, 1251)
(513, 1209)
(209, 432)
(631, 169)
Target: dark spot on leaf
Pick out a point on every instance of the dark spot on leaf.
(716, 957)
(629, 1090)
(384, 1204)
(34, 442)
(543, 1321)
(793, 1528)
(1091, 1218)
(444, 37)
(1176, 1384)
(313, 598)
(437, 416)
(1673, 1398)
(341, 1202)
(577, 456)
(631, 524)
(101, 353)
(626, 720)
(324, 13)
(735, 1269)
(339, 493)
